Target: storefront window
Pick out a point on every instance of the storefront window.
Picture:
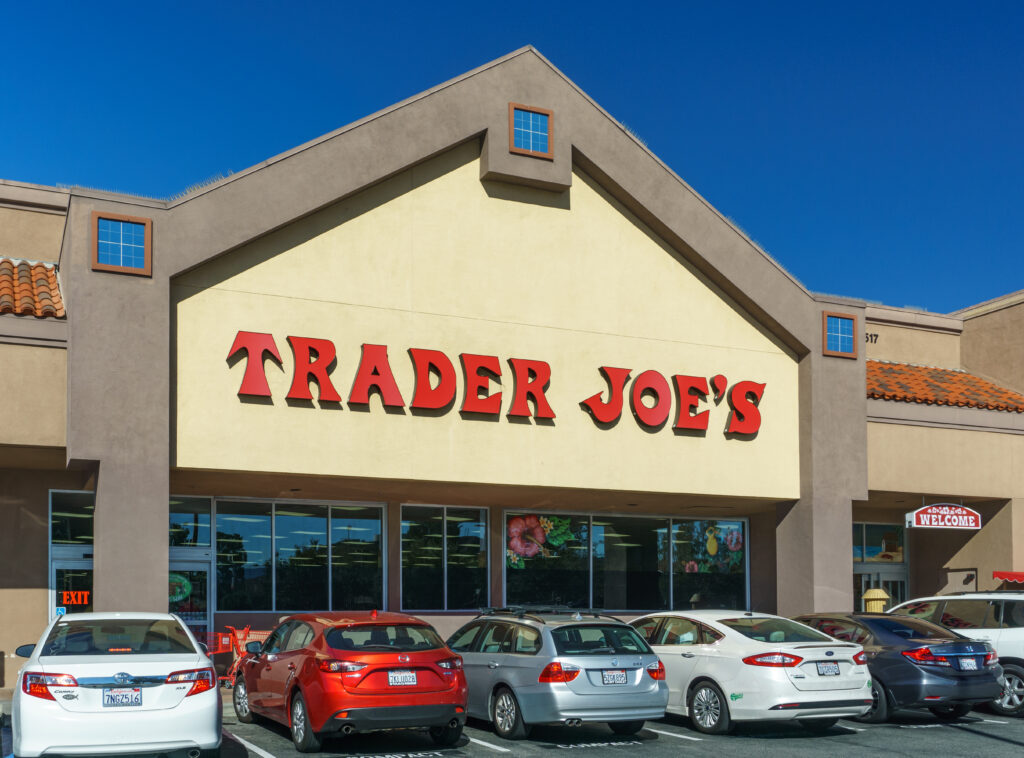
(547, 559)
(709, 565)
(300, 536)
(71, 518)
(244, 557)
(188, 595)
(444, 558)
(189, 522)
(883, 543)
(357, 558)
(858, 543)
(631, 563)
(73, 590)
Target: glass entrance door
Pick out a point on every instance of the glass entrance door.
(893, 582)
(188, 595)
(71, 583)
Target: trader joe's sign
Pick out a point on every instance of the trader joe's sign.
(944, 516)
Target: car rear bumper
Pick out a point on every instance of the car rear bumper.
(943, 690)
(545, 704)
(395, 717)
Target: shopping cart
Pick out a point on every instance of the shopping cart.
(237, 640)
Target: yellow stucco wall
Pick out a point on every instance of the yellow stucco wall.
(33, 383)
(433, 258)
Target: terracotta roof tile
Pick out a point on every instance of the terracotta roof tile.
(30, 289)
(938, 386)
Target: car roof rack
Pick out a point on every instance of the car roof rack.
(537, 612)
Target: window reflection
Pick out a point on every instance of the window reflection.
(243, 556)
(189, 522)
(300, 534)
(709, 566)
(357, 573)
(547, 559)
(466, 555)
(422, 558)
(71, 516)
(631, 563)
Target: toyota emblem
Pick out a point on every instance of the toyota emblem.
(403, 659)
(122, 678)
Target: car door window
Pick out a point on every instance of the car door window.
(646, 628)
(301, 635)
(527, 641)
(709, 636)
(923, 609)
(275, 642)
(464, 640)
(970, 614)
(496, 639)
(1013, 614)
(677, 631)
(840, 629)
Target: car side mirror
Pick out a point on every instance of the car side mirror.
(24, 651)
(253, 647)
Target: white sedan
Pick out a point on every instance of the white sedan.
(726, 666)
(115, 684)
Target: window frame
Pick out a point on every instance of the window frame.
(512, 108)
(824, 335)
(147, 269)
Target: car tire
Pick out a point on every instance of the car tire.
(240, 701)
(818, 726)
(879, 712)
(303, 736)
(709, 712)
(1011, 703)
(506, 716)
(950, 712)
(626, 727)
(445, 736)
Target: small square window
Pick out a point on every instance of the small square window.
(529, 131)
(838, 332)
(122, 244)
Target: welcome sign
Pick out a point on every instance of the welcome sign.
(944, 516)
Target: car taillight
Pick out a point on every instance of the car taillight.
(926, 657)
(656, 671)
(202, 680)
(991, 659)
(37, 685)
(332, 666)
(451, 664)
(556, 672)
(861, 659)
(773, 660)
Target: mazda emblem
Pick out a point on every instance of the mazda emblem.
(122, 678)
(403, 659)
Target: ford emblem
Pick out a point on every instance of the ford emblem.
(829, 652)
(122, 678)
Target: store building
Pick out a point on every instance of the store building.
(480, 348)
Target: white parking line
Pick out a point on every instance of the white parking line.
(249, 746)
(849, 728)
(673, 734)
(993, 721)
(488, 744)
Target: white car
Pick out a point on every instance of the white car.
(115, 684)
(727, 666)
(995, 617)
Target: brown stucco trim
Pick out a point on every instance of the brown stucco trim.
(512, 108)
(944, 416)
(48, 332)
(147, 223)
(824, 335)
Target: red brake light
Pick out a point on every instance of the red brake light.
(773, 660)
(556, 672)
(332, 666)
(991, 659)
(451, 664)
(656, 671)
(860, 659)
(37, 684)
(202, 680)
(926, 657)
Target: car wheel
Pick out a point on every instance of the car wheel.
(506, 716)
(303, 736)
(1011, 702)
(950, 712)
(879, 712)
(626, 727)
(708, 710)
(445, 736)
(818, 726)
(240, 700)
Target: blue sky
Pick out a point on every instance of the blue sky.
(875, 149)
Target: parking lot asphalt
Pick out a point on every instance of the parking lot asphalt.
(910, 733)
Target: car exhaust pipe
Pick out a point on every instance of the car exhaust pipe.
(453, 723)
(347, 729)
(574, 722)
(193, 754)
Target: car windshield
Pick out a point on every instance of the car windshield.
(118, 637)
(380, 637)
(774, 630)
(911, 628)
(597, 639)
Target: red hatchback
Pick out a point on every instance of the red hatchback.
(337, 673)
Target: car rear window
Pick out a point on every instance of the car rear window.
(118, 637)
(911, 628)
(923, 609)
(378, 637)
(597, 639)
(774, 630)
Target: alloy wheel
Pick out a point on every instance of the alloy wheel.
(241, 697)
(1013, 693)
(298, 720)
(707, 708)
(505, 712)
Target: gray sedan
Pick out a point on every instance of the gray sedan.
(526, 668)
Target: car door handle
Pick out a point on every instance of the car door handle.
(492, 664)
(291, 667)
(687, 655)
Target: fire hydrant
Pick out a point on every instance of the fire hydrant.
(875, 600)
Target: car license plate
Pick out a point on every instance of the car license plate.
(828, 668)
(402, 678)
(969, 664)
(613, 677)
(121, 698)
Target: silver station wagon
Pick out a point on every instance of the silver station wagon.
(527, 667)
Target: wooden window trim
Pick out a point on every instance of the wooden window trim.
(147, 270)
(824, 335)
(550, 154)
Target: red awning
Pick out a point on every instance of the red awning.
(1009, 576)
